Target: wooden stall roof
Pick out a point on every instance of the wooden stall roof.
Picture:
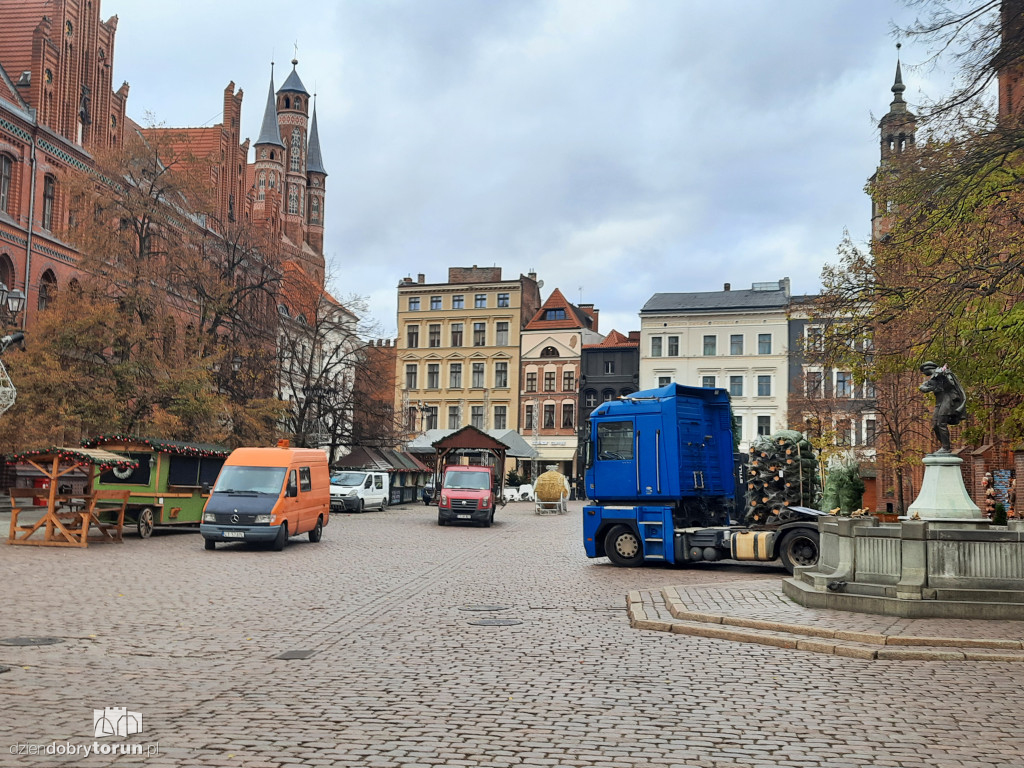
(104, 460)
(176, 447)
(470, 437)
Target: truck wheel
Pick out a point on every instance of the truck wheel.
(282, 538)
(318, 531)
(799, 547)
(622, 546)
(210, 544)
(145, 523)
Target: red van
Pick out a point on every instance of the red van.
(467, 495)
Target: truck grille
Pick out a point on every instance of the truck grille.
(463, 504)
(228, 518)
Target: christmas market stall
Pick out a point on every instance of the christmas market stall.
(68, 517)
(170, 482)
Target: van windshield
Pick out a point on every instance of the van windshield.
(349, 478)
(250, 480)
(473, 481)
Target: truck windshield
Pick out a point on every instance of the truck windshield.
(472, 481)
(250, 480)
(349, 478)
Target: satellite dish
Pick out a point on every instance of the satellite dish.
(540, 284)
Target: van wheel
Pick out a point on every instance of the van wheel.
(383, 504)
(282, 538)
(362, 506)
(623, 547)
(318, 531)
(489, 520)
(210, 544)
(440, 521)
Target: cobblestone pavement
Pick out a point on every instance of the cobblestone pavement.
(401, 678)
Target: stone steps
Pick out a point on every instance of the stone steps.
(676, 618)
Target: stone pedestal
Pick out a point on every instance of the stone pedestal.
(943, 495)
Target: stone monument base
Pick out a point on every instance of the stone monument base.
(943, 496)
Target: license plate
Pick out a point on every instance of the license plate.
(234, 534)
(464, 517)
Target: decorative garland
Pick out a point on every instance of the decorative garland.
(196, 450)
(70, 455)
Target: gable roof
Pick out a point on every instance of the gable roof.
(574, 316)
(614, 340)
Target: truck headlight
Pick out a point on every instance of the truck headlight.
(209, 517)
(444, 500)
(354, 492)
(264, 519)
(485, 502)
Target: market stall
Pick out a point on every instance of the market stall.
(67, 517)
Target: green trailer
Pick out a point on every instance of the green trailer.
(169, 486)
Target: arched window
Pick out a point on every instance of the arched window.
(298, 103)
(549, 352)
(590, 398)
(608, 395)
(296, 148)
(74, 287)
(273, 178)
(287, 103)
(47, 289)
(314, 211)
(6, 167)
(7, 271)
(293, 199)
(262, 194)
(49, 193)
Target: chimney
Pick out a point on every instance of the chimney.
(421, 278)
(532, 275)
(728, 286)
(784, 285)
(634, 335)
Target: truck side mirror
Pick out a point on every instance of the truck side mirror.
(205, 489)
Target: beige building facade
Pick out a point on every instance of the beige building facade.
(458, 359)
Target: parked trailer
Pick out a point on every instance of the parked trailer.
(661, 471)
(169, 486)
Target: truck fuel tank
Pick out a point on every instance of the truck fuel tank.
(752, 545)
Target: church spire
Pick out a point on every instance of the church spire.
(269, 131)
(898, 104)
(314, 163)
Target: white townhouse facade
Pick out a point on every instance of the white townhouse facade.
(732, 340)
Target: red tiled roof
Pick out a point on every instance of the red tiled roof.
(612, 340)
(574, 316)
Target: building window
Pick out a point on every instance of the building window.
(262, 193)
(49, 193)
(735, 344)
(549, 352)
(458, 301)
(528, 417)
(456, 334)
(710, 346)
(664, 381)
(764, 386)
(293, 199)
(296, 150)
(433, 375)
(476, 416)
(568, 381)
(480, 301)
(656, 346)
(764, 343)
(455, 376)
(737, 425)
(815, 340)
(47, 289)
(736, 386)
(414, 303)
(549, 416)
(673, 346)
(870, 428)
(554, 314)
(813, 384)
(870, 393)
(531, 381)
(410, 376)
(412, 336)
(434, 335)
(590, 398)
(5, 182)
(431, 417)
(501, 375)
(453, 417)
(501, 334)
(608, 395)
(503, 300)
(479, 334)
(549, 381)
(609, 366)
(410, 418)
(708, 382)
(435, 302)
(764, 425)
(844, 384)
(314, 210)
(843, 427)
(478, 374)
(500, 417)
(568, 416)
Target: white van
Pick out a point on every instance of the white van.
(355, 490)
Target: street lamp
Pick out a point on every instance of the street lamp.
(12, 300)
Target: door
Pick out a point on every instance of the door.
(290, 505)
(615, 471)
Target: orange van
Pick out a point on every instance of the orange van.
(268, 495)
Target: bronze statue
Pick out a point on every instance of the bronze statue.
(950, 401)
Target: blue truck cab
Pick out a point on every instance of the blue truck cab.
(662, 474)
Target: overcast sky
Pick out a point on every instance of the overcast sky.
(620, 148)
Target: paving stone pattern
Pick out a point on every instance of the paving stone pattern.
(401, 679)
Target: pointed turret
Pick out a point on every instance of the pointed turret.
(269, 131)
(293, 83)
(900, 124)
(314, 163)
